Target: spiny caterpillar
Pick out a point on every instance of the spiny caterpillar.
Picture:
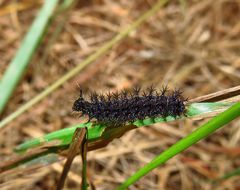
(116, 109)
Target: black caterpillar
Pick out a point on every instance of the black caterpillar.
(117, 109)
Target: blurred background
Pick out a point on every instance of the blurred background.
(191, 45)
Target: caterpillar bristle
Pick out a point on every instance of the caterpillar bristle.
(136, 90)
(151, 90)
(121, 107)
(164, 90)
(115, 96)
(102, 98)
(123, 94)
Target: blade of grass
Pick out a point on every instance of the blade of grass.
(100, 52)
(235, 172)
(202, 132)
(218, 96)
(29, 159)
(98, 135)
(64, 136)
(20, 62)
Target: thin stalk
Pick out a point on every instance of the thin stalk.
(84, 165)
(77, 143)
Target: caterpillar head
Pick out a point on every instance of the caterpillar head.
(80, 104)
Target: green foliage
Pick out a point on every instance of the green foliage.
(64, 136)
(200, 133)
(95, 131)
(29, 45)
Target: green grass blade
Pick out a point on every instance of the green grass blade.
(233, 173)
(44, 160)
(202, 132)
(101, 51)
(22, 58)
(64, 136)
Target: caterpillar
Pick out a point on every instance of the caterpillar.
(119, 108)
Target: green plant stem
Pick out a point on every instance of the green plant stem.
(64, 136)
(20, 62)
(200, 133)
(101, 51)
